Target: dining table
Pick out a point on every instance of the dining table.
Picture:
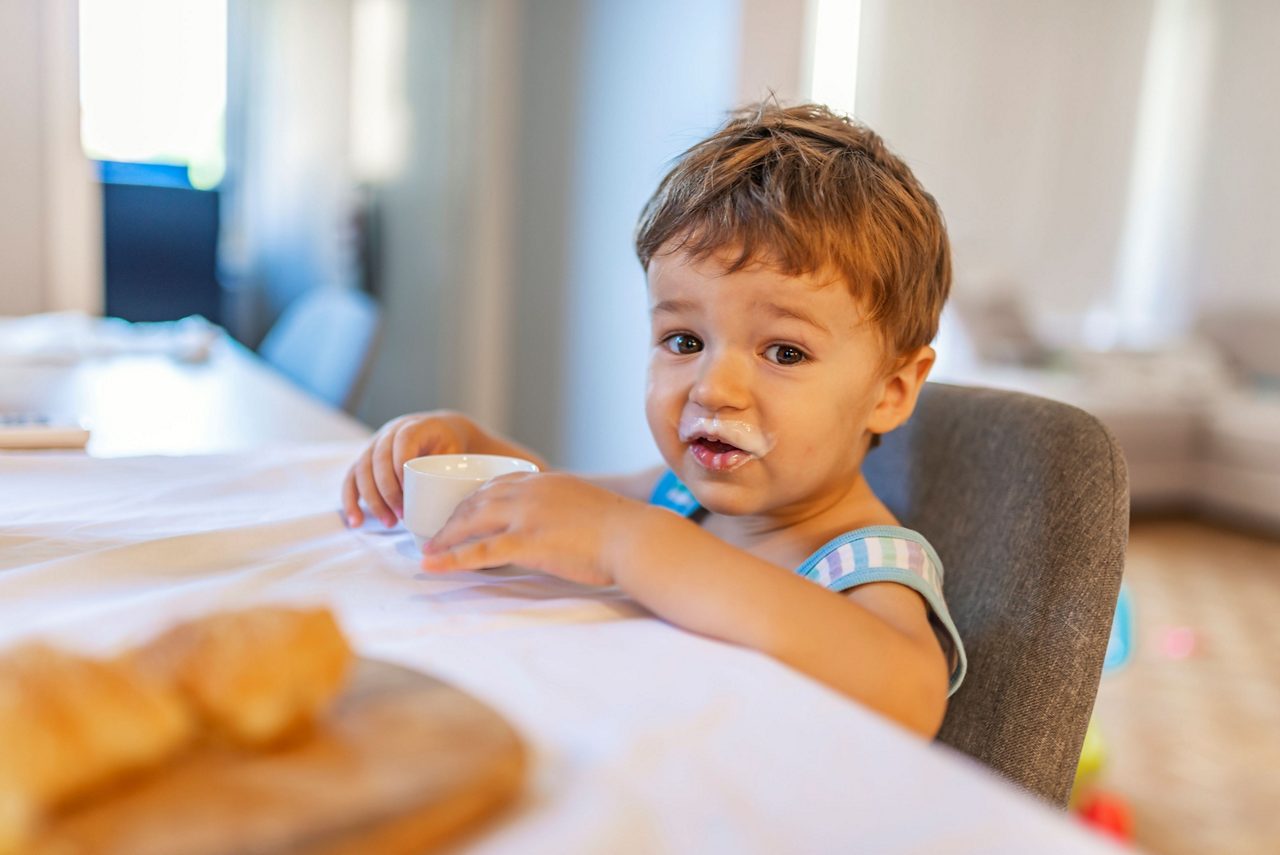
(170, 388)
(215, 485)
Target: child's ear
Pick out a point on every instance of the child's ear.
(900, 390)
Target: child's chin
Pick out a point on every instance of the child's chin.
(726, 499)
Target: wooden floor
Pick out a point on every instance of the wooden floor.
(1191, 724)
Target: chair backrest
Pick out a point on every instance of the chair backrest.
(1026, 501)
(324, 342)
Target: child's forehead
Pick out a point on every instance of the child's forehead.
(757, 298)
(759, 277)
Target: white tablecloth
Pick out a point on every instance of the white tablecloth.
(644, 738)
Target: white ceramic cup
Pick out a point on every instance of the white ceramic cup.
(434, 485)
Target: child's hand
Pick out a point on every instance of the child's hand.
(375, 476)
(551, 522)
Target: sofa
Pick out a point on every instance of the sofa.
(1198, 419)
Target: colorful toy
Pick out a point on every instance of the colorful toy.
(1178, 642)
(1120, 642)
(1106, 811)
(1093, 757)
(1110, 814)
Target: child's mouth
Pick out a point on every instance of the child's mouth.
(718, 456)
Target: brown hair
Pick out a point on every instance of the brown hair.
(805, 191)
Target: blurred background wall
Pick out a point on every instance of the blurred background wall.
(1235, 261)
(22, 135)
(1105, 168)
(1025, 139)
(528, 309)
(50, 221)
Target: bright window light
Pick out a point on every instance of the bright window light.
(833, 58)
(1151, 288)
(153, 83)
(379, 110)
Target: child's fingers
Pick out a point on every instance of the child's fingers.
(404, 447)
(369, 492)
(385, 474)
(475, 555)
(470, 520)
(351, 500)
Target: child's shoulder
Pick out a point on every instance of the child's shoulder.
(874, 549)
(874, 532)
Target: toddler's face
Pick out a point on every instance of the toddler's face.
(762, 386)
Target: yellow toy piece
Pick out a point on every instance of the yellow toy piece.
(1093, 757)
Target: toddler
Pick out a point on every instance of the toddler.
(796, 271)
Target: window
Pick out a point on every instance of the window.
(833, 53)
(153, 84)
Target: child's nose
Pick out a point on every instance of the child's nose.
(722, 382)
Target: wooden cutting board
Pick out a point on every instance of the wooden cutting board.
(403, 762)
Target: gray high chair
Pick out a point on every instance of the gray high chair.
(1026, 501)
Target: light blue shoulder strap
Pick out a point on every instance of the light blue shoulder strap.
(671, 493)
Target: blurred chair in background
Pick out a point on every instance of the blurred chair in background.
(324, 342)
(1027, 502)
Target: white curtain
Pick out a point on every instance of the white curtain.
(51, 214)
(1020, 118)
(399, 114)
(1108, 166)
(288, 199)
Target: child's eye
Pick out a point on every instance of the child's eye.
(682, 343)
(785, 354)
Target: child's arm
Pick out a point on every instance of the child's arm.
(875, 644)
(376, 474)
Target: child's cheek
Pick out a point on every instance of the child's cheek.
(797, 449)
(800, 440)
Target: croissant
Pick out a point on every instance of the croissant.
(70, 724)
(254, 677)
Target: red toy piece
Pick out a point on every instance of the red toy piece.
(1109, 813)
